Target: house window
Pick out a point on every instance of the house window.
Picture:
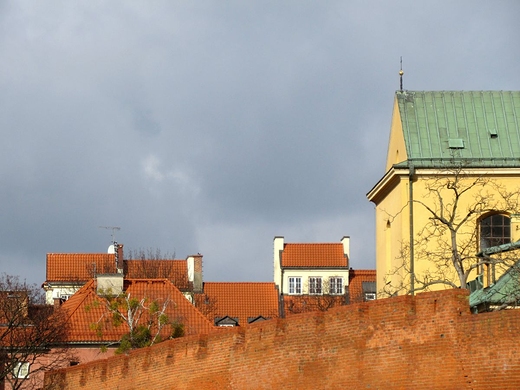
(226, 321)
(369, 290)
(336, 286)
(495, 230)
(295, 285)
(21, 370)
(315, 285)
(370, 296)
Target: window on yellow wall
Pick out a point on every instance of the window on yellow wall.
(495, 230)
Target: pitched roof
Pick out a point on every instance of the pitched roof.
(314, 255)
(356, 279)
(479, 127)
(175, 271)
(78, 267)
(81, 267)
(243, 300)
(86, 309)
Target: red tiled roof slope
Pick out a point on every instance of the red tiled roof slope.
(356, 279)
(81, 267)
(176, 271)
(86, 309)
(242, 300)
(78, 267)
(314, 255)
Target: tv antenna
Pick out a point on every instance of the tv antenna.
(113, 228)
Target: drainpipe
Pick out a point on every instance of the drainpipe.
(411, 171)
(281, 299)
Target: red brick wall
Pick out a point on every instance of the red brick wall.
(427, 342)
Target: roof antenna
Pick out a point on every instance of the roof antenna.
(401, 76)
(113, 228)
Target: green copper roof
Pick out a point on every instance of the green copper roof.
(504, 291)
(480, 129)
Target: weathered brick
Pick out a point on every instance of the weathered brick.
(429, 341)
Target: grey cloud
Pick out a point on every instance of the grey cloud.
(211, 127)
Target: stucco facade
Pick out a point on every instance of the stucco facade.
(437, 137)
(306, 261)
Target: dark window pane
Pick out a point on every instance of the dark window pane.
(494, 230)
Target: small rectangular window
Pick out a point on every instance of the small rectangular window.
(21, 370)
(370, 296)
(295, 285)
(315, 285)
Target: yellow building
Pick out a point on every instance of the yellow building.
(450, 189)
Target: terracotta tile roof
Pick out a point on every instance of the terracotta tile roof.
(176, 271)
(244, 300)
(356, 279)
(78, 267)
(86, 309)
(81, 267)
(314, 255)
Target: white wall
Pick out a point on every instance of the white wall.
(305, 274)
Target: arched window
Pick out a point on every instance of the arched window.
(495, 230)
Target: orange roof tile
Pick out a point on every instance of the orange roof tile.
(81, 267)
(176, 271)
(314, 255)
(244, 300)
(356, 279)
(86, 309)
(78, 267)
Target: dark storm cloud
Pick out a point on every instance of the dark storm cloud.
(211, 127)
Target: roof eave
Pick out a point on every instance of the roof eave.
(386, 183)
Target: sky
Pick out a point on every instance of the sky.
(213, 126)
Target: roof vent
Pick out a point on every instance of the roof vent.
(493, 133)
(456, 143)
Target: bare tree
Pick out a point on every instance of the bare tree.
(455, 203)
(151, 264)
(144, 318)
(206, 304)
(320, 300)
(31, 334)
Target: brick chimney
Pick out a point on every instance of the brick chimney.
(119, 258)
(56, 302)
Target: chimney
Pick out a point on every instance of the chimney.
(278, 245)
(119, 258)
(57, 302)
(194, 263)
(346, 247)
